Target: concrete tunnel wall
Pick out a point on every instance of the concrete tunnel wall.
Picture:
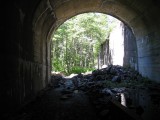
(28, 25)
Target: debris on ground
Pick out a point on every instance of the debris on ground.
(112, 83)
(112, 93)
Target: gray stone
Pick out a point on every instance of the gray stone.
(116, 79)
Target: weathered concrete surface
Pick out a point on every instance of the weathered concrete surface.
(27, 26)
(130, 48)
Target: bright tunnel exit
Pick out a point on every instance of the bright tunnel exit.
(86, 42)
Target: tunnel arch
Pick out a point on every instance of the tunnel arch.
(66, 9)
(27, 26)
(51, 13)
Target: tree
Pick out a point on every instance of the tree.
(76, 43)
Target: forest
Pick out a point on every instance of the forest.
(76, 44)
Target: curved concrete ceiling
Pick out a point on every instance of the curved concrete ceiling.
(55, 12)
(131, 12)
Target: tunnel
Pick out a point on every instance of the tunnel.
(27, 26)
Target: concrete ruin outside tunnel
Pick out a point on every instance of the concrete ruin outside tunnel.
(112, 49)
(28, 25)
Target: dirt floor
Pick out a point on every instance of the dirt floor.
(67, 103)
(58, 104)
(53, 106)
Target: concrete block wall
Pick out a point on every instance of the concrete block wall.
(26, 68)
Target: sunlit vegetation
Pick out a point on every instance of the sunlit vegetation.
(76, 43)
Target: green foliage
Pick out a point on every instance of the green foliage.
(77, 70)
(76, 43)
(57, 65)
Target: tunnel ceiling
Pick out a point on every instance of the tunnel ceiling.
(51, 13)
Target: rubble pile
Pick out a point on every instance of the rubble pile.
(116, 74)
(103, 80)
(112, 93)
(102, 86)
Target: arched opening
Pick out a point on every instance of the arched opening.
(85, 42)
(103, 34)
(57, 16)
(58, 12)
